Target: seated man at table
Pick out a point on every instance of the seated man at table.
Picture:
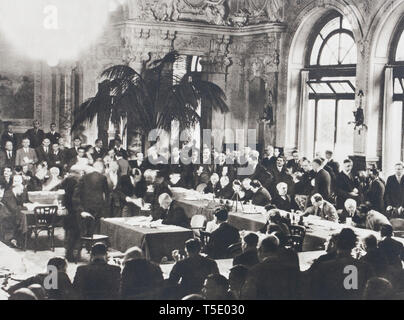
(223, 237)
(282, 200)
(392, 249)
(213, 186)
(350, 211)
(226, 189)
(248, 194)
(98, 280)
(322, 209)
(191, 272)
(141, 278)
(276, 223)
(216, 287)
(170, 213)
(249, 257)
(370, 219)
(273, 278)
(37, 181)
(6, 218)
(261, 195)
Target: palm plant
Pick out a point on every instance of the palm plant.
(151, 99)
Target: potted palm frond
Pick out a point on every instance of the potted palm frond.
(151, 99)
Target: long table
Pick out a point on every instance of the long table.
(317, 231)
(156, 242)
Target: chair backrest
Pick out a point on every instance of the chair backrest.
(198, 221)
(45, 216)
(235, 250)
(205, 236)
(296, 243)
(297, 231)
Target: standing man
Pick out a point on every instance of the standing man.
(118, 148)
(90, 197)
(73, 152)
(53, 136)
(334, 165)
(9, 135)
(375, 195)
(57, 158)
(35, 135)
(26, 156)
(99, 151)
(322, 181)
(295, 162)
(346, 186)
(394, 195)
(7, 157)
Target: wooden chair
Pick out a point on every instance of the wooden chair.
(296, 239)
(88, 242)
(198, 224)
(44, 219)
(205, 236)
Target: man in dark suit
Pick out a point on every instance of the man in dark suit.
(346, 185)
(249, 257)
(322, 180)
(172, 214)
(99, 151)
(73, 152)
(7, 178)
(53, 136)
(255, 171)
(7, 157)
(375, 195)
(334, 165)
(90, 196)
(118, 148)
(295, 162)
(272, 279)
(261, 195)
(98, 280)
(141, 278)
(8, 135)
(328, 280)
(269, 160)
(57, 158)
(191, 272)
(394, 195)
(44, 151)
(282, 200)
(35, 135)
(392, 249)
(223, 237)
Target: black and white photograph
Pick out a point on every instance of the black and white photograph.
(226, 151)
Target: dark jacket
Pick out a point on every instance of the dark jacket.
(53, 137)
(287, 204)
(98, 154)
(221, 239)
(176, 216)
(71, 220)
(248, 258)
(98, 281)
(92, 193)
(6, 137)
(261, 198)
(393, 250)
(375, 195)
(5, 161)
(191, 273)
(35, 138)
(322, 184)
(344, 186)
(141, 279)
(273, 279)
(42, 155)
(394, 194)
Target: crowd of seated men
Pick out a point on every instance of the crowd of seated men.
(265, 270)
(100, 182)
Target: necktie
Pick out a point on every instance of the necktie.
(9, 154)
(46, 150)
(25, 150)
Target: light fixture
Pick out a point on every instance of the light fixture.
(359, 115)
(53, 30)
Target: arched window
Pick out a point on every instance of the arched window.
(331, 67)
(396, 111)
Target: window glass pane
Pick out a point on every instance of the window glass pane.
(325, 126)
(347, 49)
(321, 88)
(345, 132)
(342, 87)
(400, 49)
(329, 55)
(330, 26)
(315, 50)
(397, 86)
(346, 25)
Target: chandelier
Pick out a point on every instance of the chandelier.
(359, 116)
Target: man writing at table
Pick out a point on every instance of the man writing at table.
(170, 214)
(322, 209)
